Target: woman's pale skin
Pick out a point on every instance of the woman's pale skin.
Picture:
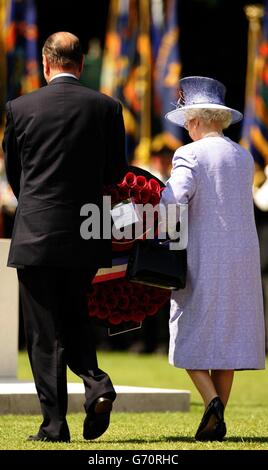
(210, 384)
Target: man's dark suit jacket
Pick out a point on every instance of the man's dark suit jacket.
(62, 144)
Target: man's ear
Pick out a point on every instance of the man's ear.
(81, 66)
(46, 67)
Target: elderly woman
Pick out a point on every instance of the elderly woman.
(216, 322)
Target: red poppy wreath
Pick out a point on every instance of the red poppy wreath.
(114, 299)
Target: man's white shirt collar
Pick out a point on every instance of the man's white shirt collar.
(63, 74)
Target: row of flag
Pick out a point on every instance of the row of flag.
(141, 67)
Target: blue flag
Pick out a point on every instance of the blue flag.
(167, 74)
(22, 52)
(119, 64)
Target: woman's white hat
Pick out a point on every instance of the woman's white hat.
(197, 93)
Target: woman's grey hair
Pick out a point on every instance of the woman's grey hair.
(221, 116)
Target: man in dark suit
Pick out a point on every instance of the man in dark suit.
(62, 144)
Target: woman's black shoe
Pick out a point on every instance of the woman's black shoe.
(212, 426)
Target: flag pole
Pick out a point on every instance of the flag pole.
(3, 76)
(3, 9)
(111, 51)
(254, 14)
(142, 152)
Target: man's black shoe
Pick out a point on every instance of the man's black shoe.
(98, 418)
(37, 437)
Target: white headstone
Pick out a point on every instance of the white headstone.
(9, 315)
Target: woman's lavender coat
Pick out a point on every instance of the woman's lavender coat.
(217, 321)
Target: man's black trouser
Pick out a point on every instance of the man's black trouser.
(58, 333)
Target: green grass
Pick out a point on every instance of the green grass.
(246, 414)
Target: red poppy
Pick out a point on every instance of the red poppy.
(103, 312)
(115, 318)
(129, 180)
(135, 193)
(154, 185)
(145, 195)
(141, 182)
(123, 302)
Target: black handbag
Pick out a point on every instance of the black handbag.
(154, 264)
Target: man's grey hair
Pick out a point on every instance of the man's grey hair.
(63, 50)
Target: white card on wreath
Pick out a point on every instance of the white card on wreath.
(124, 214)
